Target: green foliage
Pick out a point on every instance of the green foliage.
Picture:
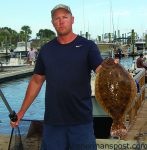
(9, 37)
(46, 34)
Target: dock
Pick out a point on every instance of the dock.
(11, 73)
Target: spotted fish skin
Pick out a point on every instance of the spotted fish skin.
(115, 89)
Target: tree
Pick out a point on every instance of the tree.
(26, 31)
(5, 36)
(45, 35)
(8, 37)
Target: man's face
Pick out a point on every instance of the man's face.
(62, 21)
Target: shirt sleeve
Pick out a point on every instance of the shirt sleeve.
(39, 67)
(94, 56)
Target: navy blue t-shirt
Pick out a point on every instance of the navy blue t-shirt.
(67, 68)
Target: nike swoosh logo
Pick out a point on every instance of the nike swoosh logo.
(78, 45)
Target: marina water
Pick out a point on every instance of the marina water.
(14, 92)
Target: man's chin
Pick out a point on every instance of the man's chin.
(62, 33)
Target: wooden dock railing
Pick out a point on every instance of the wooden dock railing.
(136, 104)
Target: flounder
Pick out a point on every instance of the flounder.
(115, 89)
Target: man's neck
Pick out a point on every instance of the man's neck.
(65, 39)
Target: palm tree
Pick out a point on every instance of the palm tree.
(13, 38)
(5, 36)
(21, 36)
(27, 31)
(8, 37)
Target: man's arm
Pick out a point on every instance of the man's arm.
(33, 89)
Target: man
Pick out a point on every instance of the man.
(31, 56)
(119, 51)
(140, 63)
(65, 63)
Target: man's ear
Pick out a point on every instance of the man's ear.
(73, 19)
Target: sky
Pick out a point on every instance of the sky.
(93, 16)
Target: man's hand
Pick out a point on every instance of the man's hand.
(116, 61)
(19, 117)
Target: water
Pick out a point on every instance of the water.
(14, 92)
(127, 62)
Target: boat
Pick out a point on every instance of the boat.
(21, 49)
(141, 46)
(14, 62)
(106, 49)
(4, 52)
(136, 49)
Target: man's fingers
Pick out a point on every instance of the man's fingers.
(14, 124)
